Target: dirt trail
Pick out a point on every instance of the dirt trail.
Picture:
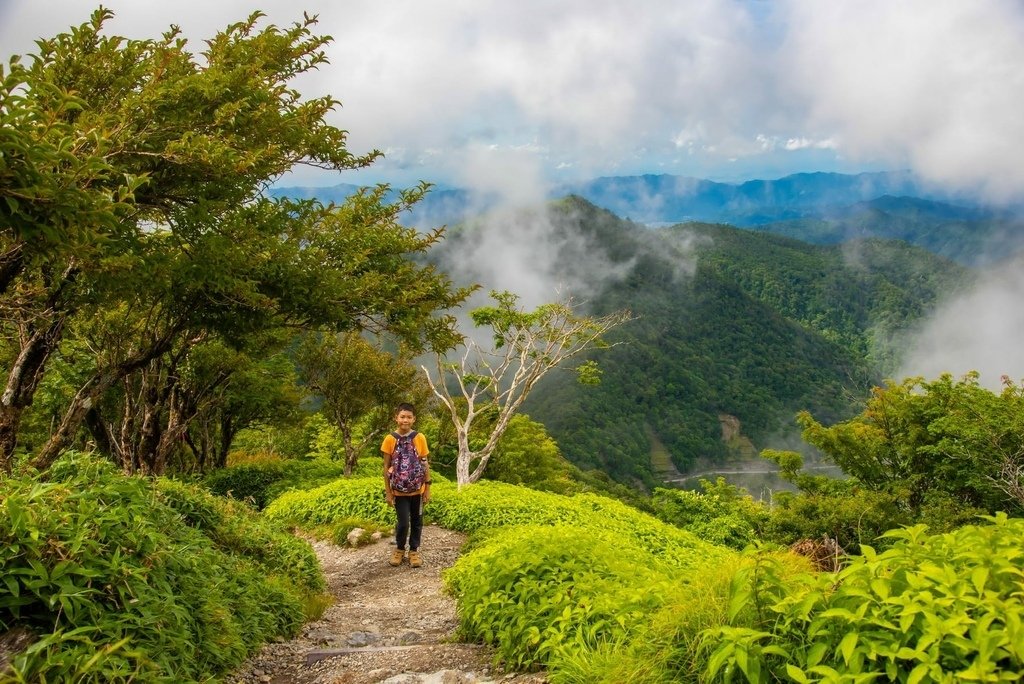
(386, 625)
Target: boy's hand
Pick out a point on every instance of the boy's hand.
(426, 495)
(390, 497)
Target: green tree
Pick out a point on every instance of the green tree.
(360, 385)
(497, 377)
(527, 455)
(939, 445)
(132, 195)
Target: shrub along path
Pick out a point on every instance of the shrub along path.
(386, 625)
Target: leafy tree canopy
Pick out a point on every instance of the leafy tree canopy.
(937, 441)
(132, 199)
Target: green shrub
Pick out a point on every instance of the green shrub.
(536, 592)
(721, 514)
(930, 608)
(236, 529)
(326, 505)
(666, 649)
(494, 504)
(248, 482)
(261, 483)
(123, 579)
(487, 505)
(853, 517)
(591, 605)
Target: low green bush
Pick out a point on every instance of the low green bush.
(591, 605)
(487, 505)
(853, 516)
(666, 649)
(326, 505)
(721, 513)
(249, 482)
(930, 608)
(536, 592)
(236, 529)
(260, 483)
(122, 578)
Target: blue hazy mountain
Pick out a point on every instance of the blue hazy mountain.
(676, 199)
(969, 235)
(821, 208)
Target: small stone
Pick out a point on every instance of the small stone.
(361, 639)
(409, 637)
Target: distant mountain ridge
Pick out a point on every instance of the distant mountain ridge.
(665, 198)
(816, 207)
(678, 199)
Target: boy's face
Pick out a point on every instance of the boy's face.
(405, 420)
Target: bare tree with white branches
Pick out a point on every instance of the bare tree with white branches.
(526, 345)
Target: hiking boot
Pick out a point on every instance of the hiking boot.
(396, 557)
(415, 560)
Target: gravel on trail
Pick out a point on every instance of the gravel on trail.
(388, 625)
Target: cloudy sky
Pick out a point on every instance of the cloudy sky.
(474, 92)
(513, 96)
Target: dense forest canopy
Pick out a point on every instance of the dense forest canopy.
(737, 323)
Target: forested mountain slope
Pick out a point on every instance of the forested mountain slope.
(729, 322)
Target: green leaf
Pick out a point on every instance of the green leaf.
(848, 645)
(817, 652)
(978, 577)
(918, 673)
(796, 674)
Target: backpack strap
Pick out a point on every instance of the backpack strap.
(410, 435)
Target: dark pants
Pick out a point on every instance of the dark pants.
(410, 521)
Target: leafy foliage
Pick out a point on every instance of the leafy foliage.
(133, 186)
(721, 514)
(360, 385)
(527, 455)
(539, 592)
(123, 578)
(358, 497)
(262, 483)
(937, 446)
(931, 608)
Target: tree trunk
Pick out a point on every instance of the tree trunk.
(22, 382)
(89, 394)
(227, 436)
(465, 456)
(178, 417)
(200, 451)
(102, 435)
(12, 263)
(351, 455)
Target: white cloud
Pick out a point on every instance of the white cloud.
(934, 85)
(979, 330)
(608, 86)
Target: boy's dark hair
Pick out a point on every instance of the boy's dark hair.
(405, 406)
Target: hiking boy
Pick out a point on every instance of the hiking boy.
(406, 483)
